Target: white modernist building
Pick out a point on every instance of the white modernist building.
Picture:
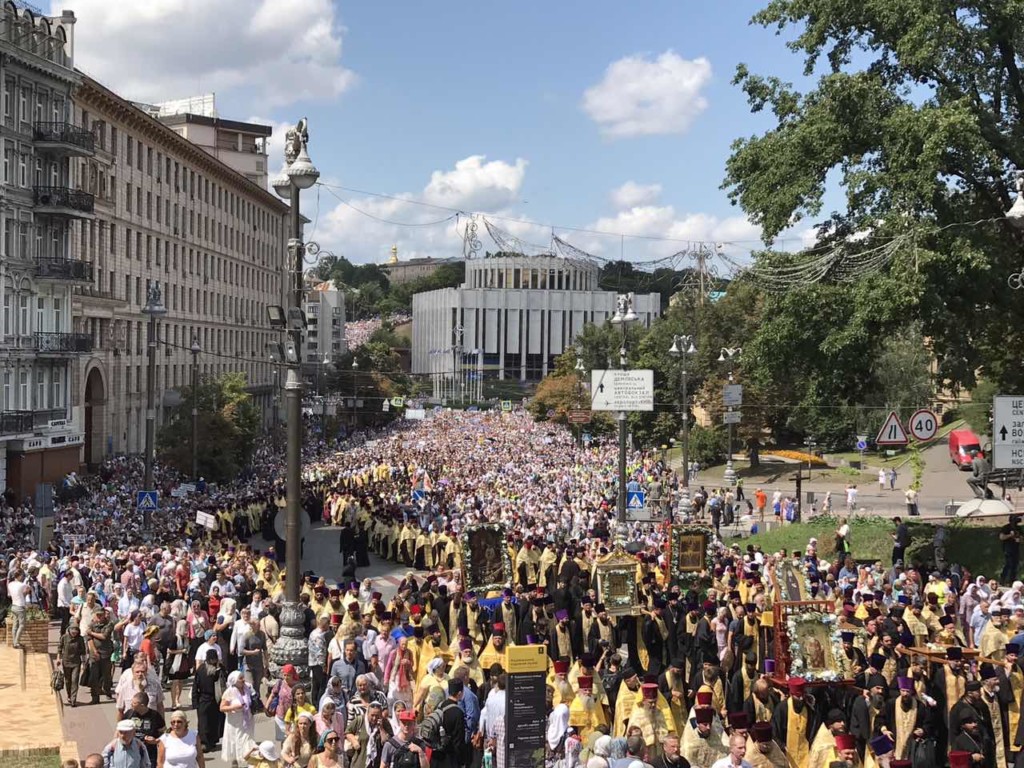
(512, 317)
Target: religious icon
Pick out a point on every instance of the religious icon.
(792, 583)
(616, 583)
(813, 647)
(692, 550)
(485, 558)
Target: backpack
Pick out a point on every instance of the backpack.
(432, 729)
(403, 757)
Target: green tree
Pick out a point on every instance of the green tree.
(228, 425)
(917, 114)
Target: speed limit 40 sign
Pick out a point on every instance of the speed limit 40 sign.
(923, 425)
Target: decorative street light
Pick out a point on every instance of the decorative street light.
(681, 347)
(726, 355)
(355, 390)
(154, 308)
(196, 349)
(624, 315)
(1016, 212)
(297, 174)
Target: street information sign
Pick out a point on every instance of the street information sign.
(1008, 432)
(617, 390)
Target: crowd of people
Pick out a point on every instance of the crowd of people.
(691, 677)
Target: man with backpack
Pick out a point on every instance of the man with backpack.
(444, 729)
(405, 749)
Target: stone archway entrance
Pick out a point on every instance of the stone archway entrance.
(95, 418)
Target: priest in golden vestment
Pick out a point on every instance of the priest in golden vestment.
(703, 740)
(762, 751)
(793, 722)
(585, 711)
(650, 720)
(494, 652)
(1011, 688)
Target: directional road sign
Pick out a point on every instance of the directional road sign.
(1008, 432)
(923, 425)
(892, 432)
(617, 390)
(732, 395)
(146, 501)
(579, 416)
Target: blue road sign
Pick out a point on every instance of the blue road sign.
(587, 438)
(418, 494)
(146, 501)
(861, 445)
(636, 499)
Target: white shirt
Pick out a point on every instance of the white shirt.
(203, 648)
(726, 762)
(16, 591)
(493, 713)
(65, 592)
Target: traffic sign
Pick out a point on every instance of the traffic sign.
(862, 438)
(418, 494)
(579, 416)
(1008, 432)
(732, 396)
(506, 405)
(862, 445)
(146, 501)
(923, 425)
(617, 390)
(636, 499)
(587, 438)
(892, 432)
(731, 417)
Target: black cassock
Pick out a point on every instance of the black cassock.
(780, 722)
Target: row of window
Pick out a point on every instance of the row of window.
(35, 388)
(18, 313)
(131, 153)
(33, 36)
(535, 279)
(45, 173)
(35, 103)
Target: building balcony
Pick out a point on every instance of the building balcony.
(62, 343)
(22, 422)
(64, 139)
(69, 270)
(64, 201)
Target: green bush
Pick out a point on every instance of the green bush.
(707, 446)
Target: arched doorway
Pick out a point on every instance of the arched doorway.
(95, 417)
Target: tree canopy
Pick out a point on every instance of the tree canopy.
(916, 111)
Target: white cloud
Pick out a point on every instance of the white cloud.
(663, 221)
(364, 228)
(642, 97)
(475, 184)
(270, 52)
(632, 194)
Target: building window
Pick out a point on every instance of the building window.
(58, 315)
(8, 330)
(57, 390)
(40, 390)
(7, 391)
(23, 327)
(23, 402)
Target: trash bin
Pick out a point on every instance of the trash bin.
(952, 508)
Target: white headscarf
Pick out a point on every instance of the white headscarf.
(558, 723)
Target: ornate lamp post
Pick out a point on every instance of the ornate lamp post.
(623, 317)
(298, 174)
(682, 346)
(154, 308)
(196, 349)
(725, 356)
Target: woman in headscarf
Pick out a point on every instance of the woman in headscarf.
(329, 755)
(239, 725)
(400, 677)
(300, 745)
(558, 725)
(396, 708)
(330, 718)
(600, 758)
(198, 622)
(178, 662)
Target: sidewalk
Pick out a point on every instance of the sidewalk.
(31, 717)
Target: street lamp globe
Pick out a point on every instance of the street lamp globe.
(282, 183)
(302, 173)
(196, 349)
(154, 302)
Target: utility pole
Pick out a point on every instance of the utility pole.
(196, 349)
(154, 308)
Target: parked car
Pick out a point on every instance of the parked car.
(964, 445)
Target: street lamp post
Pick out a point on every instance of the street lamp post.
(355, 390)
(457, 368)
(726, 355)
(154, 308)
(298, 174)
(196, 349)
(624, 315)
(580, 370)
(681, 347)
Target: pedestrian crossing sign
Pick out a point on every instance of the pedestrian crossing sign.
(636, 499)
(146, 501)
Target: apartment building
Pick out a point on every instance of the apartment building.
(325, 315)
(167, 211)
(38, 266)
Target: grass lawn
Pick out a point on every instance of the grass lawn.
(975, 547)
(901, 456)
(31, 761)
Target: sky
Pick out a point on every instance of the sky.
(546, 118)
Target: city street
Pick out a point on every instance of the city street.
(92, 727)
